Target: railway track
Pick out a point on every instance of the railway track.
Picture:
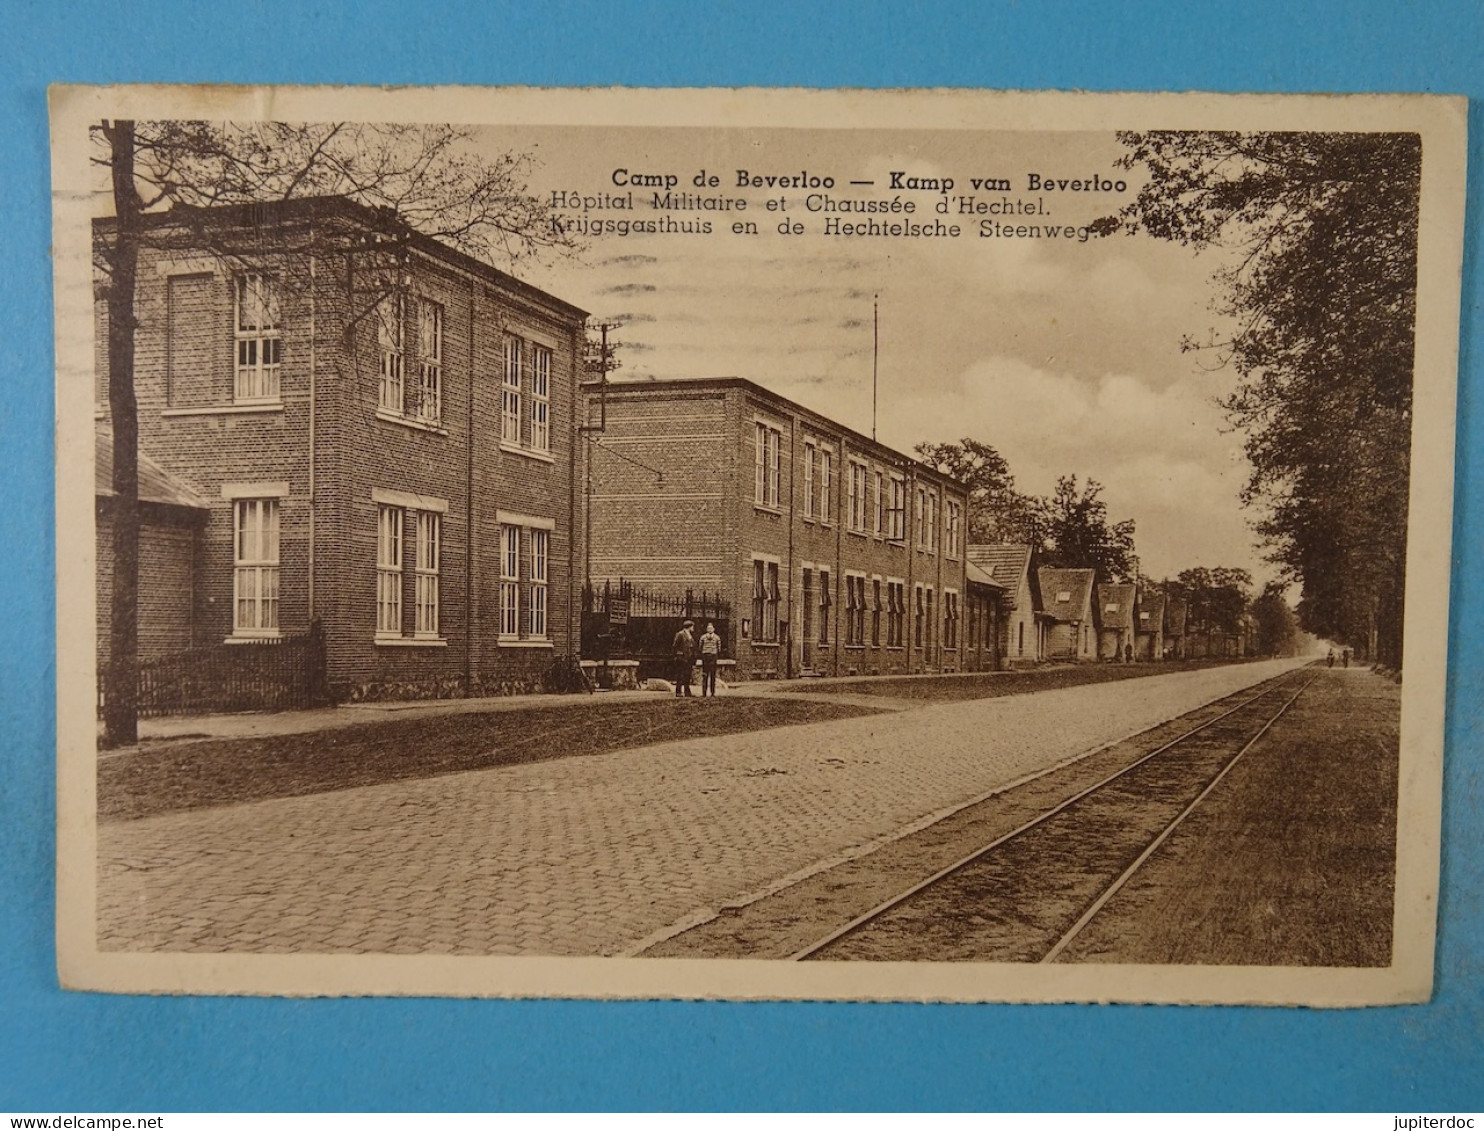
(1027, 895)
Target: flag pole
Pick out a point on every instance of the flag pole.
(875, 355)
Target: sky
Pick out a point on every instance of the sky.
(1062, 354)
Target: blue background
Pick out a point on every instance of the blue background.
(85, 1052)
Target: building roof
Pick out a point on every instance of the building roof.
(1116, 605)
(1152, 613)
(156, 485)
(1175, 613)
(641, 386)
(1005, 562)
(1065, 593)
(981, 576)
(381, 221)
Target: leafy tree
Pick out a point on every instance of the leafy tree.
(997, 511)
(1321, 287)
(167, 178)
(1277, 626)
(1216, 599)
(1079, 535)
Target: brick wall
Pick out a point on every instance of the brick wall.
(711, 530)
(167, 571)
(330, 360)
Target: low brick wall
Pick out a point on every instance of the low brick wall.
(621, 675)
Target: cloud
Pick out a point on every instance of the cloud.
(1159, 451)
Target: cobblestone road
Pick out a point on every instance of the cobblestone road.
(591, 855)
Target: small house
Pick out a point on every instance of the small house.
(1115, 621)
(1149, 642)
(1022, 631)
(1067, 600)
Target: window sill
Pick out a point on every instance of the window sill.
(529, 453)
(224, 409)
(855, 647)
(524, 642)
(410, 642)
(411, 422)
(764, 643)
(861, 534)
(764, 508)
(253, 638)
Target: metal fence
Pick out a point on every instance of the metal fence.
(621, 621)
(263, 675)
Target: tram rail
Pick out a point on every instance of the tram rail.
(1282, 690)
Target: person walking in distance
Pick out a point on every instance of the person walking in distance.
(710, 653)
(685, 658)
(1329, 660)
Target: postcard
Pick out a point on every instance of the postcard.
(755, 544)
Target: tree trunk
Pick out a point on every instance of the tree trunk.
(120, 715)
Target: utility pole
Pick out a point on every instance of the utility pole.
(875, 354)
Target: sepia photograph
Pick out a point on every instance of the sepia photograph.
(759, 544)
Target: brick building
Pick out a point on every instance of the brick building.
(837, 554)
(379, 431)
(171, 520)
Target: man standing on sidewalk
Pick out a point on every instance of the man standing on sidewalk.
(685, 658)
(710, 653)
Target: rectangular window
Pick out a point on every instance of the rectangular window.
(389, 571)
(775, 445)
(898, 515)
(255, 572)
(824, 606)
(858, 479)
(541, 398)
(917, 620)
(765, 479)
(955, 528)
(540, 552)
(826, 497)
(429, 552)
(930, 627)
(430, 362)
(510, 391)
(876, 612)
(850, 610)
(950, 620)
(509, 581)
(878, 505)
(759, 598)
(258, 335)
(390, 341)
(765, 598)
(809, 457)
(896, 608)
(932, 520)
(855, 610)
(773, 601)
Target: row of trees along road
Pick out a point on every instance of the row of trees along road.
(423, 181)
(1319, 281)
